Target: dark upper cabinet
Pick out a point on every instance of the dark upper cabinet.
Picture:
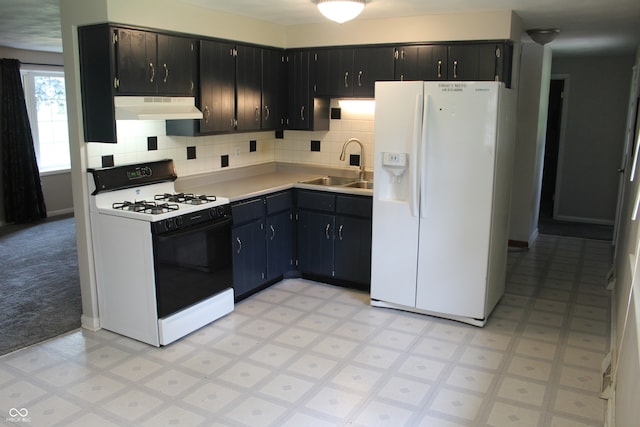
(352, 72)
(217, 86)
(136, 65)
(151, 63)
(371, 64)
(178, 65)
(248, 88)
(274, 88)
(305, 111)
(117, 60)
(426, 62)
(472, 61)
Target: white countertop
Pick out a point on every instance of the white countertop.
(254, 181)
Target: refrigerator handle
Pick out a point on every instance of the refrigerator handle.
(423, 158)
(417, 131)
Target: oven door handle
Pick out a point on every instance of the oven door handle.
(196, 228)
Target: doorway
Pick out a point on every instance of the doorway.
(551, 150)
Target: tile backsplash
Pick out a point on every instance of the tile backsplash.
(295, 147)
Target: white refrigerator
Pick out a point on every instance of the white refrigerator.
(441, 197)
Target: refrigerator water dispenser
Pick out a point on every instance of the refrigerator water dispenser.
(396, 164)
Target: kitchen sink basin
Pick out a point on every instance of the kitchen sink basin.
(339, 181)
(329, 181)
(360, 184)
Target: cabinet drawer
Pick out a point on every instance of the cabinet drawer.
(247, 210)
(354, 205)
(279, 202)
(316, 200)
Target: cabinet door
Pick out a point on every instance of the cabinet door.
(248, 87)
(249, 257)
(464, 61)
(136, 68)
(341, 74)
(273, 89)
(279, 236)
(217, 86)
(369, 66)
(315, 243)
(353, 249)
(495, 62)
(176, 71)
(300, 106)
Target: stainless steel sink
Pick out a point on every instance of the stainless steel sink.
(361, 184)
(329, 181)
(339, 181)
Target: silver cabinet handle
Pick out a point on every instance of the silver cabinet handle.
(302, 113)
(257, 113)
(346, 79)
(439, 69)
(455, 69)
(166, 73)
(153, 72)
(206, 114)
(231, 122)
(326, 231)
(266, 112)
(340, 231)
(239, 245)
(273, 232)
(359, 78)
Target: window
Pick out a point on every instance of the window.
(47, 108)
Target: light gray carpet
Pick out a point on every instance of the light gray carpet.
(39, 282)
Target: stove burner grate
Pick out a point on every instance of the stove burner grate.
(144, 206)
(186, 198)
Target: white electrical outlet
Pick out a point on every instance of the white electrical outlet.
(237, 151)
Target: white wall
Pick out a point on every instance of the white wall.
(533, 96)
(591, 149)
(626, 300)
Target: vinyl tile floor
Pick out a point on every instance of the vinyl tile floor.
(302, 353)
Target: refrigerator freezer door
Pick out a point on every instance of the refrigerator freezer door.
(459, 162)
(395, 223)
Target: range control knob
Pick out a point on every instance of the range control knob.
(221, 211)
(179, 221)
(168, 223)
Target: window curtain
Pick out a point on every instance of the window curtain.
(23, 199)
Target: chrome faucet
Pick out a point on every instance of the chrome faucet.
(344, 152)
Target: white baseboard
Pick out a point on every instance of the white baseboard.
(583, 220)
(59, 212)
(90, 323)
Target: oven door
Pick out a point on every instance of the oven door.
(192, 264)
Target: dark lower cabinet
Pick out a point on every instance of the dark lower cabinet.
(315, 243)
(249, 257)
(334, 238)
(262, 241)
(352, 249)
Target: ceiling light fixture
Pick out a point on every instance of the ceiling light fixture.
(340, 10)
(543, 35)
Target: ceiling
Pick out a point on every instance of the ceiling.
(587, 26)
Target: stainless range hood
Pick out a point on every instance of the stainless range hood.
(155, 108)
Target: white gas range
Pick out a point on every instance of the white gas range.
(162, 258)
